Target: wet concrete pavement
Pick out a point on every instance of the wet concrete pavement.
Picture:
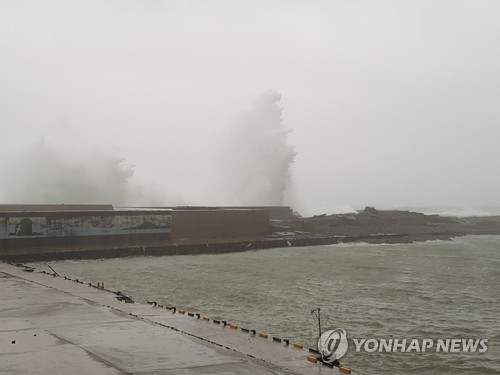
(49, 325)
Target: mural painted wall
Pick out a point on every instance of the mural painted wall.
(12, 227)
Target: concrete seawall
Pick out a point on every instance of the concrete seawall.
(122, 250)
(38, 233)
(57, 326)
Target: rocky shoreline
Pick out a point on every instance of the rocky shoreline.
(413, 225)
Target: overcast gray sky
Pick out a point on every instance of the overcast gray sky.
(389, 103)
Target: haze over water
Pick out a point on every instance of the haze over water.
(161, 103)
(440, 289)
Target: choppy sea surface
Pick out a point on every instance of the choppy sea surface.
(435, 290)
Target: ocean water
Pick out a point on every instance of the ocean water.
(435, 290)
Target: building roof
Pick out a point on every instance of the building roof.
(54, 207)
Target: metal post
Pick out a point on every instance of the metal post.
(319, 321)
(55, 273)
(318, 316)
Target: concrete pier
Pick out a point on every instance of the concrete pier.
(49, 325)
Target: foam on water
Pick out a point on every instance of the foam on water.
(458, 211)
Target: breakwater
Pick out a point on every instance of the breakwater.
(69, 326)
(34, 254)
(435, 289)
